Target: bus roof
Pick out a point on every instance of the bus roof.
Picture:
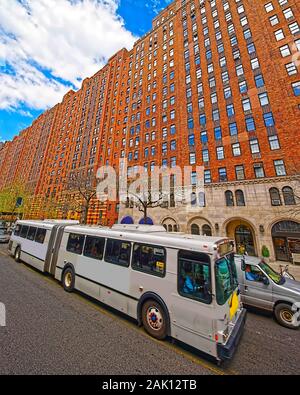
(153, 235)
(47, 223)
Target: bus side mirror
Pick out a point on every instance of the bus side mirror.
(243, 265)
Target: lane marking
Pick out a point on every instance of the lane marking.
(172, 347)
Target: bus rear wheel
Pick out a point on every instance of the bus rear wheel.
(18, 255)
(68, 280)
(154, 320)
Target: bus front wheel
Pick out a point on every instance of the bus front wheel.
(68, 280)
(154, 319)
(18, 255)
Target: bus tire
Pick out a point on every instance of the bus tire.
(154, 319)
(284, 315)
(17, 255)
(68, 280)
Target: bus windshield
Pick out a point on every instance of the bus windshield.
(226, 278)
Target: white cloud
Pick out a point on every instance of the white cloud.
(71, 39)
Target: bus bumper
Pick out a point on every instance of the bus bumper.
(225, 352)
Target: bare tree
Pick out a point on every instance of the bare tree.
(82, 186)
(146, 201)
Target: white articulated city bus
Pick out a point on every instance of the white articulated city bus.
(177, 285)
(34, 242)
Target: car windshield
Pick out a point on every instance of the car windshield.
(276, 277)
(226, 278)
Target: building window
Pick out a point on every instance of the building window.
(240, 172)
(246, 105)
(259, 81)
(220, 153)
(274, 143)
(288, 196)
(230, 110)
(291, 68)
(250, 124)
(279, 35)
(264, 100)
(285, 51)
(279, 168)
(269, 7)
(207, 177)
(259, 170)
(274, 20)
(294, 28)
(229, 199)
(204, 137)
(275, 197)
(223, 174)
(233, 129)
(254, 146)
(240, 198)
(269, 120)
(218, 134)
(296, 88)
(236, 149)
(192, 158)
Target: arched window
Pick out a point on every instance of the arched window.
(275, 197)
(206, 230)
(240, 199)
(176, 229)
(193, 199)
(229, 199)
(202, 200)
(288, 196)
(195, 229)
(170, 228)
(166, 227)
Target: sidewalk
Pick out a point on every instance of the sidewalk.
(293, 269)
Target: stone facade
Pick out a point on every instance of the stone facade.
(258, 214)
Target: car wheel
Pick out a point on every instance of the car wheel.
(284, 315)
(154, 320)
(18, 254)
(68, 280)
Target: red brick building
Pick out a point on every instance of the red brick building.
(214, 84)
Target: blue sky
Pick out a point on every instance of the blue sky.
(48, 46)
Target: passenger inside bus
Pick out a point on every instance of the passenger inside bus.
(193, 282)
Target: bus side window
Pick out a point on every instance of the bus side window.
(17, 231)
(24, 231)
(31, 233)
(75, 243)
(149, 259)
(94, 247)
(194, 279)
(118, 252)
(40, 236)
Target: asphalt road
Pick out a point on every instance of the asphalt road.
(52, 332)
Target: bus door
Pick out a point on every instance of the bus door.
(192, 307)
(55, 250)
(50, 250)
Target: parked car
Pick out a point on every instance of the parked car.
(263, 288)
(4, 236)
